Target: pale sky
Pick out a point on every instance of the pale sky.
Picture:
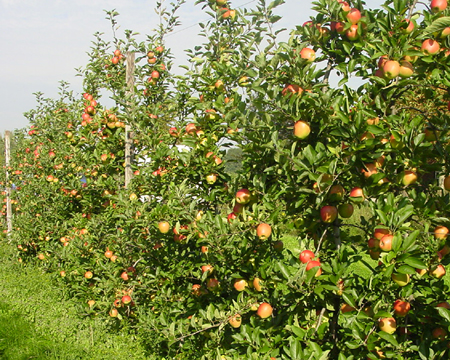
(43, 41)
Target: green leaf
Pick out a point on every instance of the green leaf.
(445, 313)
(406, 269)
(437, 25)
(388, 337)
(409, 241)
(415, 262)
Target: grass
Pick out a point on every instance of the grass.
(38, 322)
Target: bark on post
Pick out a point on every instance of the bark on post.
(128, 133)
(8, 187)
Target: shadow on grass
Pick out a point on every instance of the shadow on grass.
(20, 341)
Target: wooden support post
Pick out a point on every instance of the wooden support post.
(128, 133)
(8, 186)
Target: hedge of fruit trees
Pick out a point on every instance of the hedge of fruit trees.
(189, 255)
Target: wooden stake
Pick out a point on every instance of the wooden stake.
(128, 133)
(8, 188)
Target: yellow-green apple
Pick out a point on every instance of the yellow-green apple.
(243, 196)
(211, 178)
(328, 213)
(219, 85)
(312, 264)
(345, 210)
(447, 183)
(445, 32)
(258, 284)
(264, 310)
(164, 227)
(396, 144)
(301, 129)
(240, 284)
(244, 81)
(357, 195)
(388, 325)
(440, 232)
(354, 15)
(409, 177)
(113, 313)
(235, 321)
(406, 69)
(308, 54)
(386, 242)
(437, 271)
(438, 5)
(430, 47)
(391, 69)
(306, 256)
(401, 279)
(263, 231)
(421, 272)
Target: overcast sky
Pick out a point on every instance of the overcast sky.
(43, 41)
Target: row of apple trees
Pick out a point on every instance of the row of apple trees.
(330, 241)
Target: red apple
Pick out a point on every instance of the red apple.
(240, 284)
(336, 193)
(264, 310)
(352, 33)
(373, 243)
(410, 27)
(312, 264)
(430, 47)
(438, 5)
(357, 195)
(354, 15)
(328, 214)
(437, 271)
(439, 333)
(126, 299)
(391, 69)
(243, 196)
(380, 232)
(386, 242)
(258, 284)
(306, 256)
(263, 231)
(308, 54)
